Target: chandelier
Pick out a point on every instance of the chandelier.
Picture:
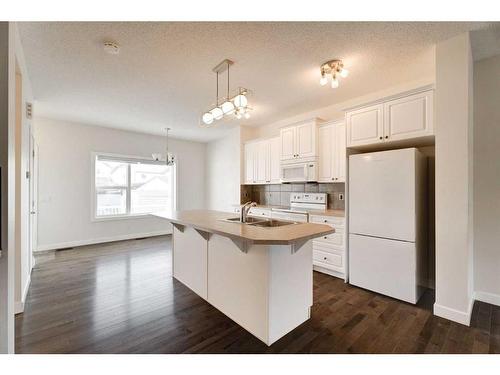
(169, 157)
(235, 105)
(332, 69)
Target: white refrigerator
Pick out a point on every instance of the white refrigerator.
(387, 217)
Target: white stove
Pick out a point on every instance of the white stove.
(300, 204)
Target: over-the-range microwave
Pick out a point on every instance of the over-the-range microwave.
(299, 172)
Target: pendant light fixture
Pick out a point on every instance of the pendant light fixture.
(236, 104)
(332, 69)
(169, 158)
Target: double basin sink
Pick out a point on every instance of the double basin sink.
(258, 222)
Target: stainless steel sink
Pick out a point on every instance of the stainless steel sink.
(250, 220)
(258, 222)
(272, 223)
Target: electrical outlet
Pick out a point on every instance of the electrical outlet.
(341, 196)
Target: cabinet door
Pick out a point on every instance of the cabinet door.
(326, 151)
(409, 117)
(305, 140)
(261, 165)
(249, 163)
(287, 136)
(365, 126)
(274, 160)
(339, 162)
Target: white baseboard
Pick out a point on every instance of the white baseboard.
(64, 245)
(19, 305)
(462, 317)
(492, 298)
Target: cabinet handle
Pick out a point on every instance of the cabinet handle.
(386, 136)
(325, 237)
(325, 221)
(324, 258)
(380, 137)
(333, 178)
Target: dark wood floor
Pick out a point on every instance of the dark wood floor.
(121, 298)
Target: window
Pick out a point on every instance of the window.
(128, 186)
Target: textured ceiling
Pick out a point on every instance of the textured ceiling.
(163, 74)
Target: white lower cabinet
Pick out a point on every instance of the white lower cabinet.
(329, 252)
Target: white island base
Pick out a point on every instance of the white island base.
(265, 288)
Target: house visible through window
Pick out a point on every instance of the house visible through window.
(129, 186)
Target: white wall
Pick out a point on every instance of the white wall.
(487, 180)
(65, 179)
(6, 228)
(23, 251)
(223, 171)
(454, 67)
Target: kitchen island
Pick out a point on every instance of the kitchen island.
(259, 274)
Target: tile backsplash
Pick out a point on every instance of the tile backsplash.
(279, 194)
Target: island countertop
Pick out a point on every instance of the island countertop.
(212, 222)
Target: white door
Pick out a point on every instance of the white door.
(262, 158)
(274, 160)
(326, 151)
(409, 117)
(305, 138)
(385, 266)
(33, 199)
(382, 194)
(339, 153)
(365, 126)
(287, 136)
(249, 163)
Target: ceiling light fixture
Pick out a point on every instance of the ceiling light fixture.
(236, 104)
(111, 47)
(334, 69)
(169, 158)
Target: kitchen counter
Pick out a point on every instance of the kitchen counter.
(260, 277)
(212, 222)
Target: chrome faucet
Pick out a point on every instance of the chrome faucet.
(245, 209)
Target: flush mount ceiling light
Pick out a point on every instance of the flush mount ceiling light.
(111, 47)
(332, 69)
(230, 105)
(169, 158)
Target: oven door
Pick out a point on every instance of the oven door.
(299, 172)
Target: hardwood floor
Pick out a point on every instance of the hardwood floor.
(121, 298)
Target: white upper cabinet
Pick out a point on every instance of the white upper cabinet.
(299, 141)
(409, 117)
(332, 152)
(287, 143)
(274, 156)
(262, 168)
(398, 119)
(340, 153)
(306, 140)
(326, 149)
(262, 161)
(249, 163)
(365, 125)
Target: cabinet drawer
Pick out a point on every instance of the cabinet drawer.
(329, 220)
(328, 247)
(336, 239)
(334, 261)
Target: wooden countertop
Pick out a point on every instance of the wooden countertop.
(210, 221)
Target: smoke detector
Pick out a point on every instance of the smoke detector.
(112, 48)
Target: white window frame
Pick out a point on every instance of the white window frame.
(128, 215)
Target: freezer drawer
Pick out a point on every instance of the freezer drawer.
(385, 266)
